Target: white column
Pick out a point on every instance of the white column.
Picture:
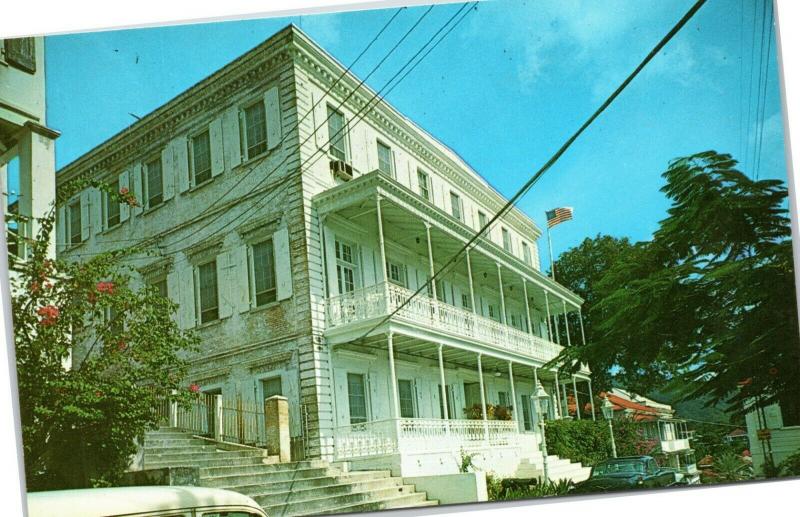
(566, 399)
(37, 188)
(566, 323)
(483, 400)
(591, 398)
(381, 241)
(580, 318)
(558, 396)
(393, 378)
(444, 386)
(430, 259)
(513, 393)
(549, 327)
(471, 284)
(527, 305)
(575, 392)
(502, 296)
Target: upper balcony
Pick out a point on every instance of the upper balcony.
(489, 300)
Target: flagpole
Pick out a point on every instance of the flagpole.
(550, 249)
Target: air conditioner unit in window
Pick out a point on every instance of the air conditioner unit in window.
(342, 170)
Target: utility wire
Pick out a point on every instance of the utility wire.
(748, 126)
(763, 98)
(535, 178)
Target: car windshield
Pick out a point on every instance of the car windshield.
(619, 467)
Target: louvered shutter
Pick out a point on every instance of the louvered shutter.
(97, 211)
(240, 281)
(187, 309)
(61, 225)
(217, 155)
(85, 215)
(136, 181)
(225, 304)
(231, 138)
(124, 208)
(283, 264)
(180, 157)
(274, 120)
(168, 171)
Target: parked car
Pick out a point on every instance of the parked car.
(625, 473)
(141, 501)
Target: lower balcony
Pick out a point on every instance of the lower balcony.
(371, 304)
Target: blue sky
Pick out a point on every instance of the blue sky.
(504, 90)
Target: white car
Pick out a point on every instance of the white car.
(143, 501)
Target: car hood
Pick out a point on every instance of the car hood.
(609, 482)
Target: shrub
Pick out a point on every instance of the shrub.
(588, 442)
(790, 466)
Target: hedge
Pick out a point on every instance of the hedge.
(588, 442)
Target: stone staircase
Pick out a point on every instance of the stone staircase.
(312, 487)
(557, 468)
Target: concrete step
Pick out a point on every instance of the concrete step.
(417, 499)
(235, 479)
(331, 503)
(205, 461)
(277, 468)
(302, 484)
(297, 494)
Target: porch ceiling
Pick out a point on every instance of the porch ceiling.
(412, 349)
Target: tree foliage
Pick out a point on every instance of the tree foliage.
(589, 442)
(709, 302)
(95, 356)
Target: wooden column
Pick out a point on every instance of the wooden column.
(558, 396)
(483, 400)
(430, 259)
(591, 398)
(471, 284)
(513, 393)
(566, 323)
(393, 377)
(502, 296)
(527, 305)
(381, 241)
(549, 325)
(575, 392)
(444, 385)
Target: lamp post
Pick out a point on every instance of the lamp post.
(542, 400)
(608, 413)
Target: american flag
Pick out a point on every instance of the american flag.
(558, 215)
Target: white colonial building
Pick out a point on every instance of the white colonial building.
(290, 220)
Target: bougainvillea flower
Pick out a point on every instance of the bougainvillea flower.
(105, 287)
(194, 388)
(49, 315)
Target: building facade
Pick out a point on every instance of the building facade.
(27, 148)
(292, 215)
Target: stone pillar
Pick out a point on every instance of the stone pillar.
(173, 411)
(218, 424)
(276, 413)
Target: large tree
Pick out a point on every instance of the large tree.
(95, 356)
(709, 302)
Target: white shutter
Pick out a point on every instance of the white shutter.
(274, 120)
(97, 213)
(85, 215)
(283, 264)
(173, 291)
(342, 398)
(240, 281)
(61, 225)
(180, 157)
(136, 181)
(225, 304)
(370, 267)
(215, 136)
(187, 311)
(231, 138)
(374, 406)
(124, 208)
(168, 171)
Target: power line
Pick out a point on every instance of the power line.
(763, 99)
(535, 178)
(750, 88)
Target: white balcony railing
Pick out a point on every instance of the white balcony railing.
(417, 435)
(381, 299)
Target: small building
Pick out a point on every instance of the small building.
(773, 432)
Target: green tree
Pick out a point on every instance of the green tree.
(710, 301)
(95, 356)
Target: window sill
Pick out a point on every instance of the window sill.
(209, 324)
(262, 308)
(151, 209)
(251, 159)
(111, 229)
(199, 186)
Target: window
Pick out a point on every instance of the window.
(502, 399)
(465, 301)
(208, 301)
(507, 241)
(74, 222)
(271, 387)
(255, 129)
(514, 320)
(115, 323)
(357, 398)
(112, 205)
(472, 394)
(385, 159)
(455, 206)
(345, 267)
(482, 220)
(491, 311)
(161, 286)
(527, 421)
(153, 183)
(405, 392)
(526, 253)
(336, 134)
(424, 184)
(263, 274)
(21, 53)
(397, 273)
(448, 394)
(201, 158)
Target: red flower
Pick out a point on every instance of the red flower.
(194, 388)
(773, 371)
(124, 190)
(105, 287)
(49, 315)
(34, 286)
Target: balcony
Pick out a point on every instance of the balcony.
(377, 301)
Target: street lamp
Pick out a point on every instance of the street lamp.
(608, 413)
(542, 405)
